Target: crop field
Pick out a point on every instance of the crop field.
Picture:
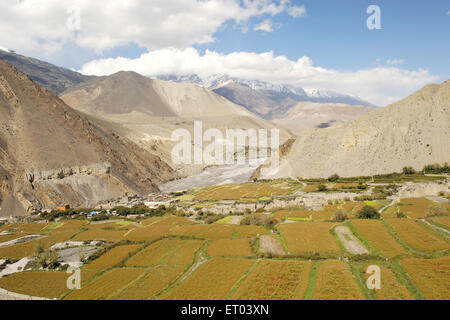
(213, 231)
(308, 237)
(417, 236)
(213, 280)
(284, 214)
(353, 206)
(326, 213)
(230, 248)
(184, 253)
(38, 284)
(101, 234)
(442, 221)
(391, 289)
(106, 285)
(250, 231)
(431, 276)
(154, 253)
(246, 191)
(415, 208)
(311, 188)
(275, 280)
(152, 283)
(112, 257)
(378, 237)
(335, 282)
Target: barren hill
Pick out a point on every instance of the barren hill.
(412, 132)
(53, 78)
(50, 154)
(309, 115)
(147, 111)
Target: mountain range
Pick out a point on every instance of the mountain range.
(51, 154)
(268, 100)
(147, 111)
(412, 132)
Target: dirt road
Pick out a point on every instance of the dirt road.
(349, 241)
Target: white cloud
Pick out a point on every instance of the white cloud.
(41, 25)
(380, 85)
(265, 25)
(395, 61)
(297, 12)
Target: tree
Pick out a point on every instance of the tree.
(368, 212)
(409, 170)
(436, 211)
(333, 178)
(340, 215)
(322, 188)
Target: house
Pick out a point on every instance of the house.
(63, 208)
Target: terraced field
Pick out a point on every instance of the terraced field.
(418, 236)
(275, 280)
(431, 276)
(230, 248)
(301, 257)
(335, 282)
(212, 281)
(309, 237)
(378, 237)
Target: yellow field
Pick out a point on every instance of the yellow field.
(112, 257)
(106, 285)
(184, 254)
(431, 276)
(250, 231)
(326, 213)
(99, 234)
(230, 248)
(283, 214)
(154, 253)
(391, 289)
(37, 284)
(415, 208)
(377, 235)
(309, 237)
(418, 236)
(335, 282)
(152, 283)
(212, 280)
(275, 280)
(212, 231)
(22, 250)
(244, 191)
(445, 221)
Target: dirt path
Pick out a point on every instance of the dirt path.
(435, 226)
(349, 241)
(270, 245)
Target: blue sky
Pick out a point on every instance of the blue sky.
(334, 35)
(328, 46)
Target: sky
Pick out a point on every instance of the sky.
(323, 44)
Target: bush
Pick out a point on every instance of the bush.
(340, 216)
(436, 211)
(368, 212)
(409, 170)
(333, 178)
(401, 215)
(322, 188)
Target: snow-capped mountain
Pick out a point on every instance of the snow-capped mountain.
(264, 98)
